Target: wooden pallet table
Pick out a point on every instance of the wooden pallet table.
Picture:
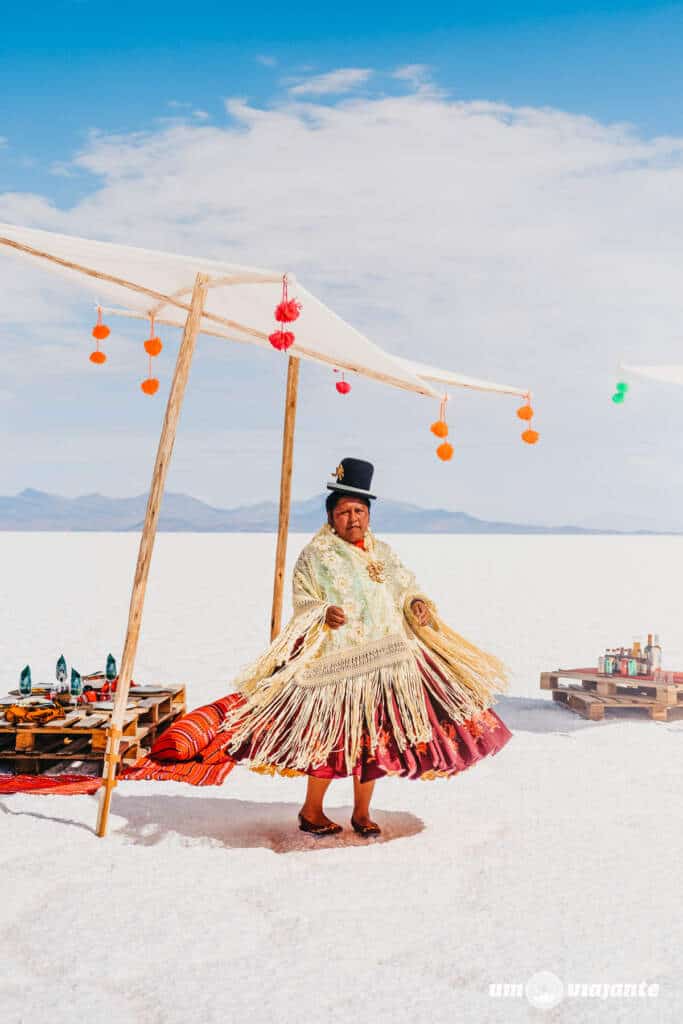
(81, 735)
(590, 694)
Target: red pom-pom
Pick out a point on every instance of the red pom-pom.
(287, 311)
(153, 346)
(98, 357)
(343, 387)
(281, 340)
(525, 412)
(150, 386)
(530, 436)
(100, 331)
(440, 428)
(445, 451)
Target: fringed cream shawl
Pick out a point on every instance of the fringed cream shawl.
(315, 685)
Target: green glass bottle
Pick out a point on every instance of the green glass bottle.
(25, 681)
(76, 683)
(110, 671)
(60, 671)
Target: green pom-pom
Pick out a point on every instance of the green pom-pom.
(618, 397)
(622, 386)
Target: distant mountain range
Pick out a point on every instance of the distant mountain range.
(35, 510)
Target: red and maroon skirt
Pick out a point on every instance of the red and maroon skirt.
(194, 750)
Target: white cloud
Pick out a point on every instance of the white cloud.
(266, 60)
(333, 83)
(516, 243)
(415, 74)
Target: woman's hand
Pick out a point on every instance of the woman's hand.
(421, 611)
(335, 617)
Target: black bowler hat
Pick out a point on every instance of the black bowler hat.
(353, 476)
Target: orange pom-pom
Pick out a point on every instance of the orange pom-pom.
(525, 412)
(440, 428)
(530, 436)
(98, 357)
(150, 386)
(153, 346)
(100, 332)
(445, 451)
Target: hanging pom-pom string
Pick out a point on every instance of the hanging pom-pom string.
(286, 311)
(440, 429)
(99, 332)
(342, 386)
(153, 344)
(620, 392)
(153, 347)
(526, 413)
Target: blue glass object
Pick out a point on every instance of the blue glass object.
(25, 681)
(76, 683)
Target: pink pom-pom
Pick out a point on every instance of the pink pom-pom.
(287, 311)
(343, 387)
(281, 340)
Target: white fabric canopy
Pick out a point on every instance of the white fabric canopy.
(668, 373)
(432, 375)
(239, 305)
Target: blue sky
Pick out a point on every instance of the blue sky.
(67, 67)
(549, 134)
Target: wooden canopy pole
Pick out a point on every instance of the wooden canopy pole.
(285, 493)
(168, 432)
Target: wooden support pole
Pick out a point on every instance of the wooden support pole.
(137, 600)
(285, 493)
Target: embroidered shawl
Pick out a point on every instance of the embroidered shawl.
(315, 684)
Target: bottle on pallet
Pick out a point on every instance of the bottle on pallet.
(648, 653)
(76, 688)
(25, 682)
(656, 656)
(60, 673)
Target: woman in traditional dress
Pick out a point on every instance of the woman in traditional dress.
(365, 680)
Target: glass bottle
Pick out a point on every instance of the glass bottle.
(25, 682)
(76, 688)
(656, 654)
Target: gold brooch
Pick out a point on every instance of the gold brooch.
(339, 472)
(376, 572)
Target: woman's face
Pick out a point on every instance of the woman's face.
(350, 519)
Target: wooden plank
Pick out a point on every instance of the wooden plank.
(589, 707)
(94, 721)
(164, 452)
(287, 463)
(603, 687)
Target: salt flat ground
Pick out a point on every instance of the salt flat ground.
(561, 854)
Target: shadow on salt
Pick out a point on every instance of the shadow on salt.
(542, 714)
(242, 824)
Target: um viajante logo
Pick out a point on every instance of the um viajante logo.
(545, 990)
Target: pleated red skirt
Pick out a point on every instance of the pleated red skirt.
(454, 747)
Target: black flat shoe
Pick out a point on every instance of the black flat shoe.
(318, 830)
(365, 830)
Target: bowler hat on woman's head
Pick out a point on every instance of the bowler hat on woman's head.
(353, 477)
